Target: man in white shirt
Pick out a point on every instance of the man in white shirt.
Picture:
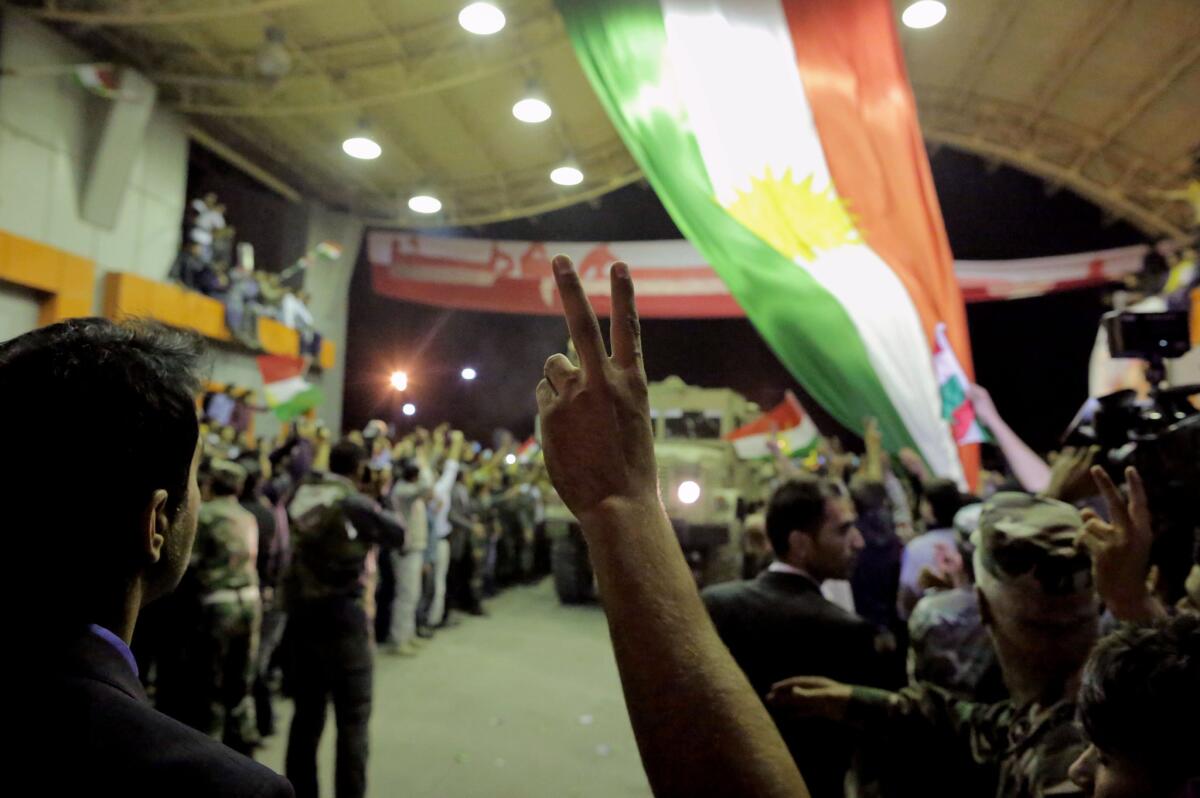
(409, 500)
(941, 502)
(440, 528)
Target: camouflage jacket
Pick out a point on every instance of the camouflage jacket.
(949, 646)
(333, 529)
(225, 554)
(1031, 746)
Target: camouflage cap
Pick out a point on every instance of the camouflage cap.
(1023, 535)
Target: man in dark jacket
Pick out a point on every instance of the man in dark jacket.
(780, 621)
(334, 527)
(114, 541)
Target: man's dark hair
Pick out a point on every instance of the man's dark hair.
(410, 471)
(874, 510)
(868, 494)
(798, 504)
(1140, 697)
(121, 396)
(945, 500)
(225, 482)
(346, 458)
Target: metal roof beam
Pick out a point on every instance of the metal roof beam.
(135, 13)
(1078, 49)
(987, 45)
(1146, 94)
(1107, 197)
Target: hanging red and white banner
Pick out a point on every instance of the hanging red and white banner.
(672, 279)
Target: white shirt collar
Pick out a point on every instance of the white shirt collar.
(778, 567)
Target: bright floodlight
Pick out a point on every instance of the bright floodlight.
(924, 14)
(483, 19)
(511, 459)
(409, 409)
(689, 492)
(399, 380)
(567, 176)
(361, 147)
(469, 374)
(531, 110)
(423, 203)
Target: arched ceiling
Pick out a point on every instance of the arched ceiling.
(1101, 97)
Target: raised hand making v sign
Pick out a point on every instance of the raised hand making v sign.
(596, 429)
(1121, 549)
(700, 728)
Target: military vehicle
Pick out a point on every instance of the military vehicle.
(704, 486)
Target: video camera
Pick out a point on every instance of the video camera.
(1158, 435)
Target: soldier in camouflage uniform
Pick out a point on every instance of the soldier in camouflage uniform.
(225, 575)
(328, 638)
(948, 644)
(1038, 601)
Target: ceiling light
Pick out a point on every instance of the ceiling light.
(531, 110)
(483, 19)
(688, 492)
(567, 176)
(273, 61)
(362, 147)
(469, 373)
(409, 409)
(423, 203)
(924, 14)
(510, 459)
(399, 380)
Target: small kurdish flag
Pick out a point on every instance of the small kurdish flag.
(528, 450)
(787, 424)
(99, 79)
(952, 384)
(328, 250)
(288, 394)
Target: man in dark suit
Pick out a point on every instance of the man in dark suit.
(780, 622)
(85, 554)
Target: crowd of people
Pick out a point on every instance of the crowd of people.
(440, 523)
(211, 264)
(1000, 643)
(968, 623)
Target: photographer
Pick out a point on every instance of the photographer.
(334, 528)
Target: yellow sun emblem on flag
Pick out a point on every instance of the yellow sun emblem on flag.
(793, 217)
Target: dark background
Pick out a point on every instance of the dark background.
(1031, 353)
(277, 228)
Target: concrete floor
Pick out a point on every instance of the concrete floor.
(524, 703)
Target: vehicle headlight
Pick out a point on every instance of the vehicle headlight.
(688, 492)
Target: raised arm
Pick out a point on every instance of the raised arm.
(1030, 470)
(374, 524)
(1120, 549)
(700, 728)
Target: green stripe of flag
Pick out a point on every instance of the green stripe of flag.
(621, 45)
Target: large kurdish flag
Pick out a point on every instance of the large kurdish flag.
(781, 135)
